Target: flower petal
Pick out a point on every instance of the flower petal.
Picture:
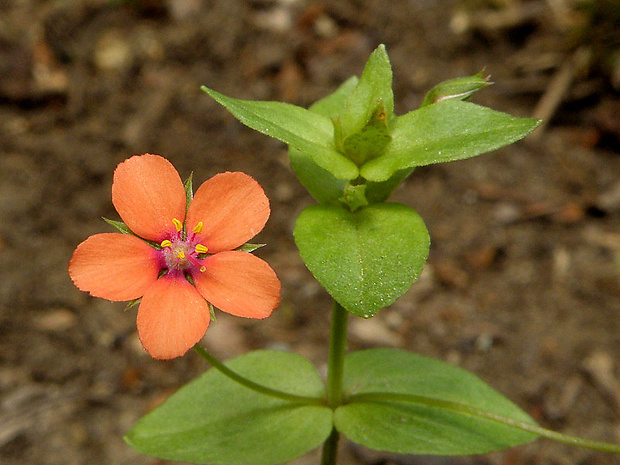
(148, 193)
(232, 207)
(172, 317)
(240, 284)
(114, 266)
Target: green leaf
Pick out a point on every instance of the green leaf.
(460, 89)
(320, 183)
(333, 104)
(307, 131)
(445, 131)
(214, 420)
(380, 191)
(374, 87)
(410, 404)
(365, 259)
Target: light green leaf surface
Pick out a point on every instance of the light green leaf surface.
(333, 104)
(406, 403)
(365, 259)
(374, 87)
(380, 191)
(214, 420)
(307, 131)
(445, 131)
(322, 184)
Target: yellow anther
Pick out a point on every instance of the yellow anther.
(203, 269)
(166, 243)
(201, 248)
(177, 224)
(198, 228)
(181, 254)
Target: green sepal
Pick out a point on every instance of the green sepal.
(364, 259)
(402, 402)
(218, 421)
(304, 130)
(212, 311)
(445, 131)
(370, 140)
(247, 247)
(459, 89)
(189, 192)
(119, 226)
(124, 229)
(132, 303)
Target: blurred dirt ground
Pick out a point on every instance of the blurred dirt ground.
(523, 282)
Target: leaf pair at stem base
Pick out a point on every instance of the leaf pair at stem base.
(393, 401)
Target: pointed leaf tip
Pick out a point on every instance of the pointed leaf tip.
(307, 131)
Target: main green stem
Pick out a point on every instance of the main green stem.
(335, 371)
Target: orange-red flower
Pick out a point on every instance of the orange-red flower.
(194, 262)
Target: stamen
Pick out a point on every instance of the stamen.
(181, 254)
(198, 228)
(166, 243)
(177, 224)
(201, 248)
(197, 263)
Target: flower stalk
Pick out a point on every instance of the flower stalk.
(261, 389)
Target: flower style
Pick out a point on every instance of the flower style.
(180, 257)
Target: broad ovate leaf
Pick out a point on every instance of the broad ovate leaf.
(216, 421)
(364, 259)
(401, 402)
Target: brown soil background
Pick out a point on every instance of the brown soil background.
(523, 282)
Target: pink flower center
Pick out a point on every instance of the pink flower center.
(183, 252)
